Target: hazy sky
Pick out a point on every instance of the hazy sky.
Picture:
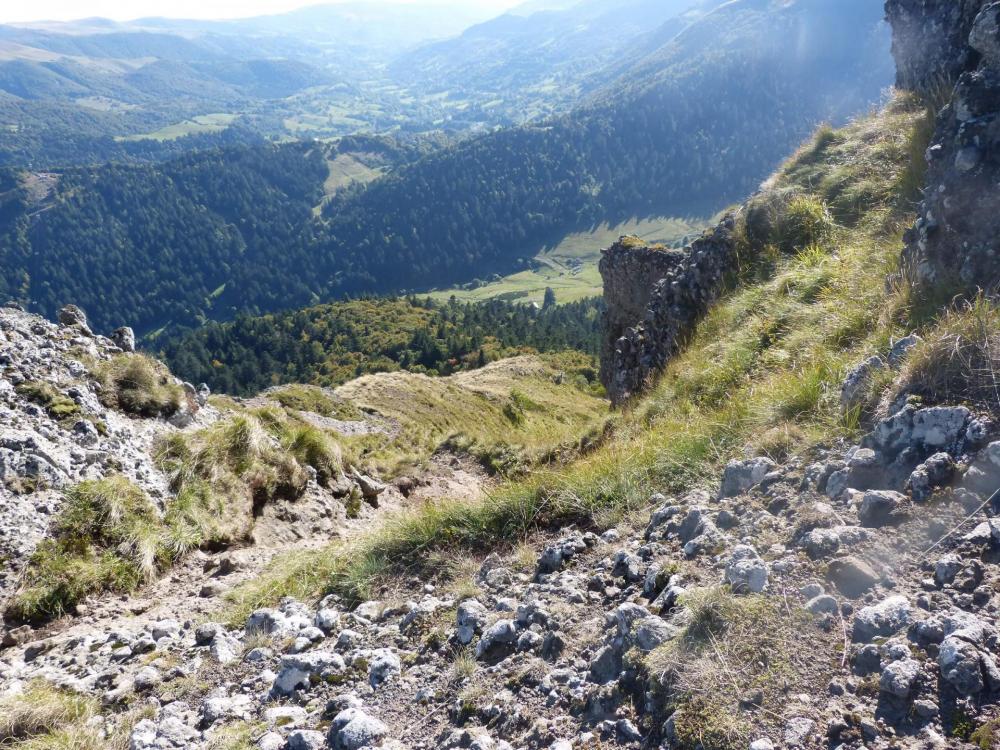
(121, 10)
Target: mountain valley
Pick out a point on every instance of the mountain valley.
(652, 407)
(440, 217)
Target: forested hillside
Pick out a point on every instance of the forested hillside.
(691, 128)
(173, 242)
(331, 344)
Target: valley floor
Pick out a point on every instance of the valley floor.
(570, 268)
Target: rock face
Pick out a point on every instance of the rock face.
(929, 40)
(937, 43)
(654, 297)
(630, 270)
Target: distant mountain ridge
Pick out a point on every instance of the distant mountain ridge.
(533, 54)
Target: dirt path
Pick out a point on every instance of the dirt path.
(195, 588)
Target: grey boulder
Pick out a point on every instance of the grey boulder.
(746, 572)
(353, 729)
(741, 476)
(882, 619)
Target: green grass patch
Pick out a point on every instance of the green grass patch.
(41, 709)
(316, 400)
(535, 405)
(570, 267)
(240, 735)
(226, 473)
(202, 124)
(107, 537)
(56, 404)
(139, 385)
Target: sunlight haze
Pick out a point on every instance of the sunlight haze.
(124, 10)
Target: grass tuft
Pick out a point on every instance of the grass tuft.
(105, 538)
(42, 709)
(44, 717)
(726, 677)
(139, 385)
(57, 405)
(225, 474)
(959, 360)
(313, 447)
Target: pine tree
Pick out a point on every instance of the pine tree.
(550, 298)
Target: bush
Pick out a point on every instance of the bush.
(139, 385)
(760, 217)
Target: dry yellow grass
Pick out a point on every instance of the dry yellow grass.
(530, 405)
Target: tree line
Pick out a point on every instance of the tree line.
(333, 343)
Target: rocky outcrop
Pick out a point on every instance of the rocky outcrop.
(630, 269)
(54, 430)
(955, 243)
(654, 298)
(58, 428)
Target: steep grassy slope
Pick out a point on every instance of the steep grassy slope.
(762, 372)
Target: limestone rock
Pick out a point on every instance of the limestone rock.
(954, 239)
(654, 297)
(353, 729)
(72, 316)
(746, 572)
(740, 476)
(882, 619)
(857, 382)
(935, 472)
(471, 618)
(297, 670)
(899, 677)
(124, 339)
(882, 508)
(500, 636)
